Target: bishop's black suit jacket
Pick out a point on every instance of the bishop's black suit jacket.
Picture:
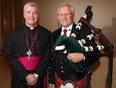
(16, 46)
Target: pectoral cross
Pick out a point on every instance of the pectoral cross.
(29, 53)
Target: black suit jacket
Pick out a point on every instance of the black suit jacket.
(91, 57)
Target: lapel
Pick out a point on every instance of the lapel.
(56, 34)
(73, 28)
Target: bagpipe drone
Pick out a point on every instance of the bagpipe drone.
(66, 45)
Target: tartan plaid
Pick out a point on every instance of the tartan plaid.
(83, 83)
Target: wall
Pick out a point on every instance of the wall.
(0, 28)
(104, 18)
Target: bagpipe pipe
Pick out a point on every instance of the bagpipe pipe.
(66, 45)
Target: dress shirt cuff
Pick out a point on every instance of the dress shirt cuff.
(84, 57)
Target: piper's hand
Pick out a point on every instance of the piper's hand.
(75, 57)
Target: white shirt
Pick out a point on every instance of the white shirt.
(69, 29)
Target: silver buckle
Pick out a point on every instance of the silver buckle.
(68, 84)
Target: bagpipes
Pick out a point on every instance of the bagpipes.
(66, 45)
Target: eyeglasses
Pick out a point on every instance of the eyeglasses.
(66, 14)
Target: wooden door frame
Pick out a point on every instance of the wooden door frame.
(11, 16)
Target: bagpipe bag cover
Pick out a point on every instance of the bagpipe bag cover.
(72, 46)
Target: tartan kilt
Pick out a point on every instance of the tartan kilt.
(87, 85)
(82, 83)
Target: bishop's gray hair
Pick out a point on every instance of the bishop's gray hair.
(31, 4)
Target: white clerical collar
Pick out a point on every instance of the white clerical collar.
(31, 27)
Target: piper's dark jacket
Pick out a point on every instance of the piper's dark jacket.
(15, 46)
(64, 71)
